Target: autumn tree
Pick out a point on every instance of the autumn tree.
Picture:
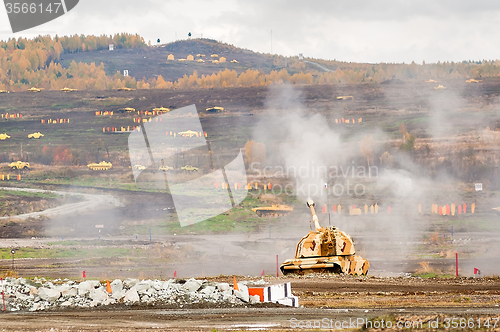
(386, 159)
(408, 143)
(402, 131)
(366, 146)
(255, 152)
(62, 155)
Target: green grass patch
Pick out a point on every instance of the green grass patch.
(10, 193)
(432, 275)
(61, 106)
(71, 252)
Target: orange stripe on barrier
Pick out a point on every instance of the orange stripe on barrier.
(257, 291)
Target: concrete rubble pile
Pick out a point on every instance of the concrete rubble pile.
(40, 294)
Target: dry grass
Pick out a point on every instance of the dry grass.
(425, 268)
(436, 239)
(9, 273)
(447, 253)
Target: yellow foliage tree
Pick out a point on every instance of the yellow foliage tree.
(255, 152)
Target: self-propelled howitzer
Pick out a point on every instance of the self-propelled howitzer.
(325, 249)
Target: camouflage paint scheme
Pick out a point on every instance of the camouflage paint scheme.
(326, 249)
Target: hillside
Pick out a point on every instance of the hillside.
(85, 63)
(151, 61)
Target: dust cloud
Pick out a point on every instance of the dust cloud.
(332, 168)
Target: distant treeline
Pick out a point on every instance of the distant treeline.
(35, 62)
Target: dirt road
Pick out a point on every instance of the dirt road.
(91, 202)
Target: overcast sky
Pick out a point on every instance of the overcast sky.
(347, 30)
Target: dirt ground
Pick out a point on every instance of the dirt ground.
(337, 298)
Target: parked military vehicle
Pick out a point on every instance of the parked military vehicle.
(166, 168)
(127, 109)
(35, 135)
(189, 168)
(162, 109)
(67, 90)
(273, 211)
(215, 109)
(325, 249)
(19, 165)
(189, 133)
(102, 166)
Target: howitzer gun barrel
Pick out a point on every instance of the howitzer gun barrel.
(310, 204)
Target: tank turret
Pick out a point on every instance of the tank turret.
(325, 249)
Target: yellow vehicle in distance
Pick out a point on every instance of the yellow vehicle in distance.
(19, 165)
(102, 166)
(273, 211)
(139, 167)
(166, 168)
(35, 135)
(33, 89)
(4, 91)
(67, 90)
(215, 109)
(3, 137)
(189, 168)
(473, 81)
(189, 133)
(161, 109)
(125, 89)
(127, 109)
